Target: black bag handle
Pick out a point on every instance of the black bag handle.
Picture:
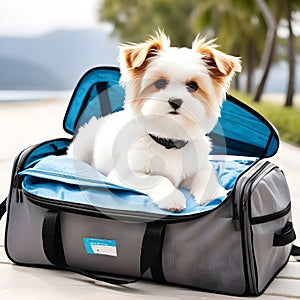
(53, 248)
(286, 236)
(3, 208)
(52, 240)
(296, 252)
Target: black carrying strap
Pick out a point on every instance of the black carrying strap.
(286, 236)
(53, 248)
(151, 255)
(3, 208)
(296, 252)
(52, 240)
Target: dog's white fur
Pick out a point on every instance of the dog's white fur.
(119, 144)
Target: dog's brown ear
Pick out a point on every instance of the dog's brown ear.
(135, 56)
(219, 63)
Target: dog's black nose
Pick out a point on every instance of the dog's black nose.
(175, 102)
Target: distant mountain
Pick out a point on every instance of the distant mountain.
(16, 73)
(54, 61)
(57, 60)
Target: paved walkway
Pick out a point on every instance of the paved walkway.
(24, 124)
(280, 98)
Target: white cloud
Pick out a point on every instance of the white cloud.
(34, 17)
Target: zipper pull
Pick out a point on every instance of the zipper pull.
(236, 219)
(16, 178)
(17, 186)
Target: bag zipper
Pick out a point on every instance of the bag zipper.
(236, 215)
(236, 212)
(125, 215)
(18, 165)
(249, 262)
(20, 160)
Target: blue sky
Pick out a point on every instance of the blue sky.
(35, 17)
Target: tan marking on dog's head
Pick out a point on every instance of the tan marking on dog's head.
(221, 66)
(149, 89)
(202, 95)
(134, 57)
(200, 90)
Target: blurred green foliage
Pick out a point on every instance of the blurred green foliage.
(135, 20)
(232, 21)
(238, 24)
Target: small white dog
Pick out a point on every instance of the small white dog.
(158, 142)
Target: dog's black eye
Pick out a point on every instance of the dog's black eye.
(161, 83)
(192, 86)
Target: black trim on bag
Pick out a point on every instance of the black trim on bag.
(296, 252)
(248, 276)
(3, 208)
(151, 253)
(58, 151)
(83, 104)
(122, 215)
(82, 107)
(286, 236)
(235, 212)
(244, 211)
(102, 92)
(273, 131)
(270, 217)
(102, 95)
(52, 239)
(248, 149)
(21, 159)
(236, 215)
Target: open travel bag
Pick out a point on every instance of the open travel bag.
(65, 214)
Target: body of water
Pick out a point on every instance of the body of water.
(26, 95)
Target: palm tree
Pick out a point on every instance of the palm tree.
(272, 20)
(291, 54)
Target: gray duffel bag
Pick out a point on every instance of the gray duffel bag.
(59, 217)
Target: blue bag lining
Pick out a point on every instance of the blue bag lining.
(61, 178)
(240, 130)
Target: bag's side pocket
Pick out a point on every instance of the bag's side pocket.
(271, 226)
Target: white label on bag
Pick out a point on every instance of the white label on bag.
(101, 247)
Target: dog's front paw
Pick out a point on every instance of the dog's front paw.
(174, 201)
(202, 197)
